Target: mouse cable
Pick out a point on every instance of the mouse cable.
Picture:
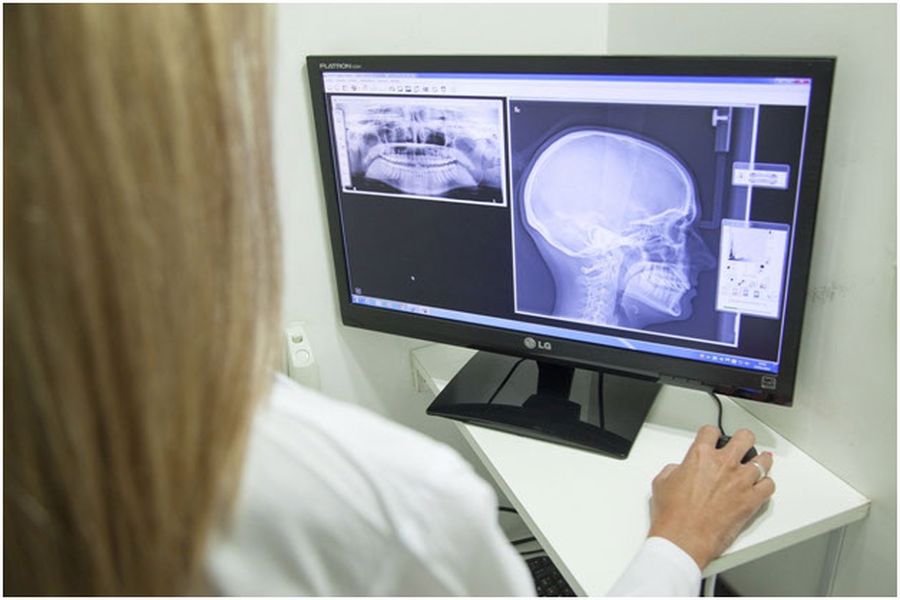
(719, 402)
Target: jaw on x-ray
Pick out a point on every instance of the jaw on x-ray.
(424, 147)
(612, 216)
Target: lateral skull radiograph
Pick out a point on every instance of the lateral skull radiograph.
(436, 148)
(620, 210)
(614, 216)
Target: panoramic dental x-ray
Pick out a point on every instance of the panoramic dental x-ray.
(430, 148)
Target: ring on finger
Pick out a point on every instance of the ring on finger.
(762, 471)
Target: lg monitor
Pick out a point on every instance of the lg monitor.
(596, 226)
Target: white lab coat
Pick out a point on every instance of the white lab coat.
(336, 500)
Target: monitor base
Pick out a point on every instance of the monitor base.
(591, 410)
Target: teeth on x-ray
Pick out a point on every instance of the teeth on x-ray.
(420, 169)
(424, 147)
(657, 285)
(621, 211)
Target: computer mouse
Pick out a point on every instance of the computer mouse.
(724, 439)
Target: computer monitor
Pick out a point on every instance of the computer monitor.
(648, 217)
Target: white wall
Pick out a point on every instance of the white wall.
(368, 368)
(845, 412)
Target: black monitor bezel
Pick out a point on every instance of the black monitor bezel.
(733, 381)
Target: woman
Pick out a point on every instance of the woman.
(146, 448)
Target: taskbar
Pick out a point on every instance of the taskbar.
(719, 358)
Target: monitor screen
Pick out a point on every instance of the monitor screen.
(644, 215)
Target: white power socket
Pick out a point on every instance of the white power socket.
(301, 362)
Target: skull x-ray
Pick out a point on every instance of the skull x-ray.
(614, 216)
(435, 148)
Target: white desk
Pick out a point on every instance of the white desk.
(591, 513)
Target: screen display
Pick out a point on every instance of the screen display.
(647, 213)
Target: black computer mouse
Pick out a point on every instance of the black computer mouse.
(724, 439)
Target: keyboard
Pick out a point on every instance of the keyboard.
(547, 578)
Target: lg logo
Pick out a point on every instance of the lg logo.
(532, 344)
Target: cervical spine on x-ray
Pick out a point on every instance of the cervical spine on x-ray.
(612, 215)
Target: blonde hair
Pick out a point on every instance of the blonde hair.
(141, 297)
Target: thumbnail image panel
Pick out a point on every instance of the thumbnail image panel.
(607, 215)
(751, 267)
(447, 149)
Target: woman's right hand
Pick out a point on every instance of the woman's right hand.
(703, 503)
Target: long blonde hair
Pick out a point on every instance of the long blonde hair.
(141, 297)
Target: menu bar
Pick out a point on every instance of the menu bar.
(648, 90)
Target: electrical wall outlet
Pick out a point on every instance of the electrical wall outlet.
(301, 362)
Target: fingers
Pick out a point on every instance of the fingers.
(740, 442)
(763, 490)
(752, 473)
(765, 460)
(707, 435)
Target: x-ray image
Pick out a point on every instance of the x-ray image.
(435, 148)
(607, 217)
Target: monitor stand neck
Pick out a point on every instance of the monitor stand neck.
(554, 379)
(554, 386)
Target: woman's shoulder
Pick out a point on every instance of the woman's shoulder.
(325, 476)
(359, 439)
